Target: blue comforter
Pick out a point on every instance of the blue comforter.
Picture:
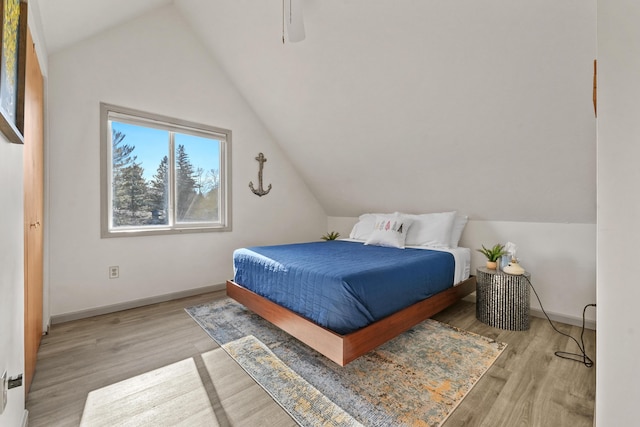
(343, 285)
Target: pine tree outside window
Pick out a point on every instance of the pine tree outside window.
(162, 175)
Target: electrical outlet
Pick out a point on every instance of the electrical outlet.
(4, 386)
(114, 272)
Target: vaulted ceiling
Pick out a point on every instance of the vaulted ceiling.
(412, 105)
(65, 22)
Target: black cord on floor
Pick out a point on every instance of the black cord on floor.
(576, 357)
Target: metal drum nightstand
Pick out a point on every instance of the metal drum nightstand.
(502, 300)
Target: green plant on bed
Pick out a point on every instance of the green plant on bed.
(494, 253)
(332, 235)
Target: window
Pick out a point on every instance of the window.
(162, 175)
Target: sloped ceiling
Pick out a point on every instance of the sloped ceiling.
(412, 105)
(65, 22)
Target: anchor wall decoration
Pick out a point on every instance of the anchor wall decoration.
(260, 191)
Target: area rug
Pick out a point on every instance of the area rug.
(416, 379)
(169, 396)
(306, 405)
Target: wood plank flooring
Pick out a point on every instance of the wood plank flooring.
(527, 386)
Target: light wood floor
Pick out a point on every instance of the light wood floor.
(527, 386)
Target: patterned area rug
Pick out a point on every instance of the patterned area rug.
(300, 399)
(416, 379)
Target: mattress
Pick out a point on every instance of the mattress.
(345, 285)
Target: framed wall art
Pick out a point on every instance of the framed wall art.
(12, 67)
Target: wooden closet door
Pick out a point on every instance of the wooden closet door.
(33, 208)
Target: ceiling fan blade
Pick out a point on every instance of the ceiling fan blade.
(294, 19)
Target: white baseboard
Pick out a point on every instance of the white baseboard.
(556, 317)
(25, 418)
(61, 318)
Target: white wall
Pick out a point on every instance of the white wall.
(560, 257)
(618, 388)
(11, 275)
(155, 64)
(483, 106)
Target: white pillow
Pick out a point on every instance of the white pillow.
(432, 229)
(456, 232)
(389, 231)
(364, 227)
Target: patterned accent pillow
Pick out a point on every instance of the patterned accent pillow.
(364, 227)
(390, 231)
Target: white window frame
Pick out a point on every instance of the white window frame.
(109, 112)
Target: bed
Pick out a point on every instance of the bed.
(344, 298)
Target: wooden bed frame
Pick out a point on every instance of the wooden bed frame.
(342, 349)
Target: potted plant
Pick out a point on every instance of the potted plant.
(493, 255)
(333, 235)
